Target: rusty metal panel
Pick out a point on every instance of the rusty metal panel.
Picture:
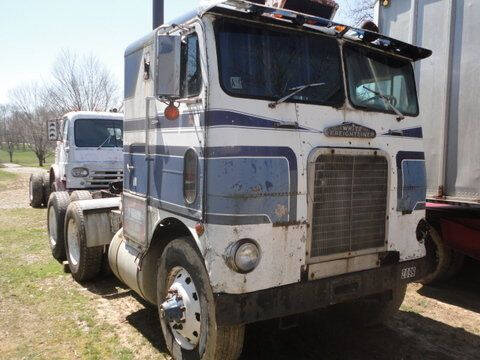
(350, 203)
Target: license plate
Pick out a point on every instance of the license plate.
(408, 273)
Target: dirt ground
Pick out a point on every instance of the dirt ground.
(16, 193)
(433, 323)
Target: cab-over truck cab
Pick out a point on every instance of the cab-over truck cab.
(89, 153)
(274, 165)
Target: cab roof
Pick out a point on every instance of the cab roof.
(93, 115)
(246, 9)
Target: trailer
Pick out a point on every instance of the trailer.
(447, 86)
(263, 174)
(88, 163)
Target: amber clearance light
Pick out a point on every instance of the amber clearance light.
(171, 112)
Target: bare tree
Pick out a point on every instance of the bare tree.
(31, 113)
(81, 83)
(10, 129)
(3, 121)
(360, 10)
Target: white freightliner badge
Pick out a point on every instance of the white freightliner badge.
(348, 129)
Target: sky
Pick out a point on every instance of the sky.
(33, 32)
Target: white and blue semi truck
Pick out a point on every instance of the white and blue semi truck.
(273, 165)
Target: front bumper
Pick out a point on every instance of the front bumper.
(234, 309)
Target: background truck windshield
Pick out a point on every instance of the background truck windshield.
(370, 71)
(267, 62)
(98, 132)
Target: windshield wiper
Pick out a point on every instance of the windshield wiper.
(388, 101)
(295, 91)
(104, 142)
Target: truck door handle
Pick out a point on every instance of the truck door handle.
(130, 167)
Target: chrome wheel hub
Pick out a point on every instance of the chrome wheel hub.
(30, 188)
(181, 308)
(52, 226)
(73, 246)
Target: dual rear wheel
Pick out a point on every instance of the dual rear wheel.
(35, 190)
(85, 262)
(39, 189)
(447, 262)
(66, 232)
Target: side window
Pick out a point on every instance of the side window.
(191, 74)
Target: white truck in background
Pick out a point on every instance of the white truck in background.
(448, 88)
(88, 158)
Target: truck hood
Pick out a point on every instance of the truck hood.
(93, 155)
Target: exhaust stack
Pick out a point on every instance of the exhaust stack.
(158, 13)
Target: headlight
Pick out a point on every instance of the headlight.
(79, 172)
(244, 256)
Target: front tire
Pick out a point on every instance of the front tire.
(85, 262)
(181, 271)
(56, 209)
(36, 190)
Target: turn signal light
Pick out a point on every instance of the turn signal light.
(171, 112)
(340, 28)
(199, 229)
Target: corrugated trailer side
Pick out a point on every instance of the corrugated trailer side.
(448, 85)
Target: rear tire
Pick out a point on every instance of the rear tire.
(85, 262)
(47, 189)
(80, 195)
(56, 209)
(36, 190)
(211, 342)
(447, 262)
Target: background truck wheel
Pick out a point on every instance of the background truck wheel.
(47, 190)
(181, 272)
(85, 262)
(80, 195)
(36, 190)
(447, 262)
(373, 311)
(56, 209)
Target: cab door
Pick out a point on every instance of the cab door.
(158, 175)
(63, 149)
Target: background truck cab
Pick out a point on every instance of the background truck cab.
(89, 154)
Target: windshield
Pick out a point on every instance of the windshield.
(98, 133)
(268, 63)
(379, 82)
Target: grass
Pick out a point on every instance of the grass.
(24, 158)
(44, 314)
(6, 178)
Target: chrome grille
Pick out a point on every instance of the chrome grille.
(350, 203)
(101, 179)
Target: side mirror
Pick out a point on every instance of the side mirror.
(52, 130)
(167, 66)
